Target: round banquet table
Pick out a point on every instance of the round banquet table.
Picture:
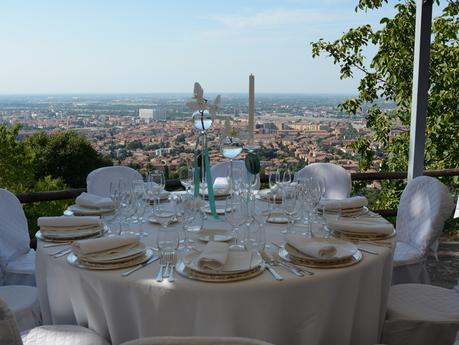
(333, 306)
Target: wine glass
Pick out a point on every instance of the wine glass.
(157, 183)
(235, 214)
(290, 206)
(330, 213)
(167, 240)
(186, 176)
(127, 210)
(231, 147)
(274, 180)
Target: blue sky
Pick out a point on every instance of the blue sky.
(115, 46)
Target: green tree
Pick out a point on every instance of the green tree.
(387, 78)
(64, 155)
(16, 165)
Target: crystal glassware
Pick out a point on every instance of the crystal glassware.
(235, 215)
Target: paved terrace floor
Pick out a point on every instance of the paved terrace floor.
(445, 272)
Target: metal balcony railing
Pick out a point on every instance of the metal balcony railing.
(174, 184)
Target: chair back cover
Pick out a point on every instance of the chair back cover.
(424, 207)
(14, 231)
(336, 179)
(222, 170)
(195, 341)
(98, 181)
(9, 332)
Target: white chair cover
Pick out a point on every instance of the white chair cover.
(9, 332)
(221, 170)
(98, 181)
(62, 335)
(195, 341)
(336, 179)
(23, 302)
(17, 260)
(425, 205)
(419, 314)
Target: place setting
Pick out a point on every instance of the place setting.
(68, 228)
(219, 263)
(109, 253)
(87, 204)
(319, 252)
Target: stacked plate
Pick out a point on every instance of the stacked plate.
(371, 228)
(269, 196)
(79, 210)
(108, 253)
(87, 204)
(64, 229)
(321, 252)
(240, 265)
(350, 207)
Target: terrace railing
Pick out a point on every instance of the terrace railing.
(174, 184)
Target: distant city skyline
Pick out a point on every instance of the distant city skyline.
(120, 47)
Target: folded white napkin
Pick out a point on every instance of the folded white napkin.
(221, 183)
(371, 226)
(93, 201)
(214, 256)
(67, 223)
(310, 247)
(348, 203)
(104, 244)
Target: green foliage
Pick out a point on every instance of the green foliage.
(64, 155)
(387, 77)
(39, 209)
(45, 162)
(16, 166)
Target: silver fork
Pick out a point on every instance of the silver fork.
(159, 276)
(171, 277)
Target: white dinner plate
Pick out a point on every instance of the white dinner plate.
(72, 259)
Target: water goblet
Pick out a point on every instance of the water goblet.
(235, 214)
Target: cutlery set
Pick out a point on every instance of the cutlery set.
(167, 263)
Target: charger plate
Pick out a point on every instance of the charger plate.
(263, 195)
(184, 271)
(356, 236)
(277, 218)
(72, 259)
(43, 238)
(344, 250)
(85, 211)
(216, 237)
(356, 258)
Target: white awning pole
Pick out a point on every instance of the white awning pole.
(420, 88)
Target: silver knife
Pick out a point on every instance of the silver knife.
(138, 267)
(271, 270)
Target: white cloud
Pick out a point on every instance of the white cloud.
(275, 17)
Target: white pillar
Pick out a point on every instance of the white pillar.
(420, 87)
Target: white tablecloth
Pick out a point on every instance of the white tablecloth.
(335, 306)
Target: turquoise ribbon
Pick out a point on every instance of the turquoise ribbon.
(210, 186)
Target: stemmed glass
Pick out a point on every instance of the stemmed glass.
(156, 185)
(274, 181)
(127, 210)
(330, 214)
(312, 194)
(167, 239)
(186, 177)
(235, 214)
(290, 206)
(230, 147)
(192, 218)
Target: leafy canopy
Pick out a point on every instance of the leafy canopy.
(387, 79)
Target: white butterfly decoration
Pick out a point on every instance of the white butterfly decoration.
(200, 103)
